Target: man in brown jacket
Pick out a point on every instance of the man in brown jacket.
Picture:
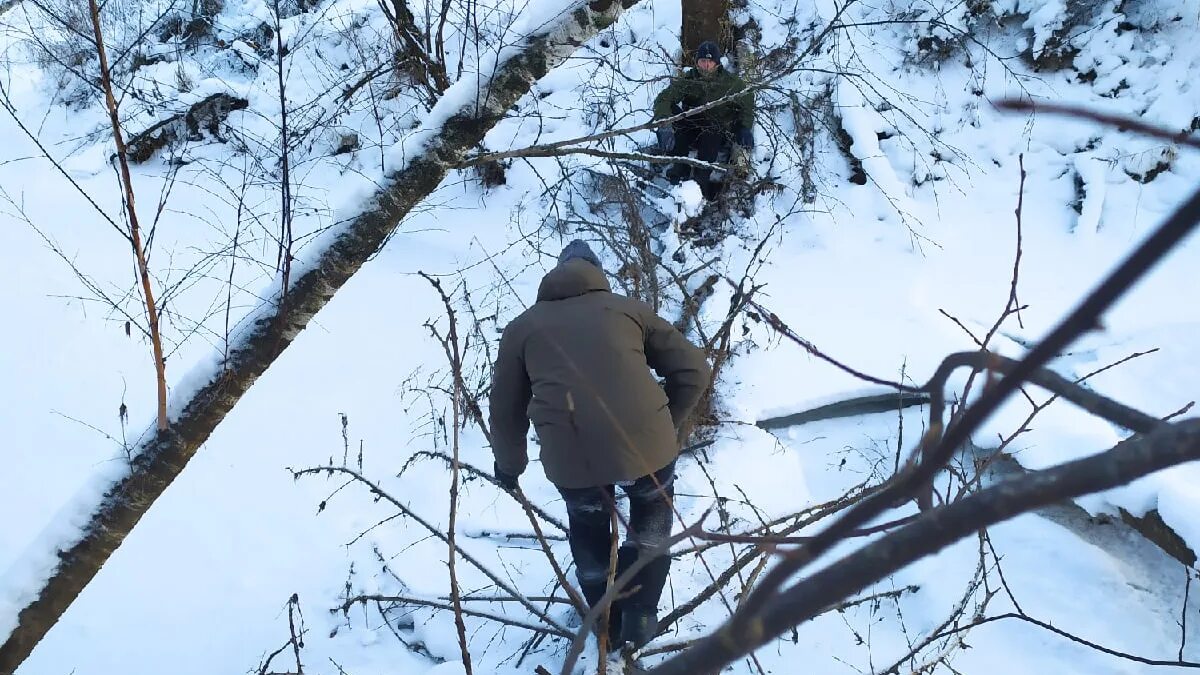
(577, 363)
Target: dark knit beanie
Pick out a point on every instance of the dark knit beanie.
(579, 248)
(708, 50)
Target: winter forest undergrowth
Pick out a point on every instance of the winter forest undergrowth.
(427, 161)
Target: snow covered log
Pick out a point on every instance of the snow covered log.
(206, 115)
(468, 116)
(851, 407)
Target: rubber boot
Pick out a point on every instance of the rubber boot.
(626, 556)
(639, 614)
(639, 625)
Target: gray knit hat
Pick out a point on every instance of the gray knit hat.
(579, 248)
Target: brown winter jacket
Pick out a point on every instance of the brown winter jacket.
(577, 364)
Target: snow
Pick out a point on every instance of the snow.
(865, 272)
(1045, 17)
(862, 124)
(1093, 172)
(689, 199)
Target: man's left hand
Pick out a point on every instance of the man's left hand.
(745, 137)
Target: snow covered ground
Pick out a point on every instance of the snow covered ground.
(863, 271)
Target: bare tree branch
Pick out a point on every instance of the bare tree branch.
(135, 232)
(935, 448)
(1180, 662)
(553, 150)
(424, 602)
(407, 511)
(454, 355)
(782, 328)
(1119, 121)
(1131, 459)
(475, 471)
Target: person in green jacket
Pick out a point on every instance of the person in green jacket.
(709, 131)
(577, 363)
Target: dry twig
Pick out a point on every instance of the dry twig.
(452, 352)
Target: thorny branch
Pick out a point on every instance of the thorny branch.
(450, 344)
(1011, 306)
(295, 640)
(782, 328)
(425, 602)
(956, 613)
(1187, 593)
(1072, 637)
(480, 473)
(381, 494)
(553, 150)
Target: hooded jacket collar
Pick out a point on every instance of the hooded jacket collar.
(572, 278)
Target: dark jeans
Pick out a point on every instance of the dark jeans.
(707, 139)
(589, 513)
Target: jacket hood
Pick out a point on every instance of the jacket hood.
(579, 248)
(572, 278)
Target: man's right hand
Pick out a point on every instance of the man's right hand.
(507, 481)
(666, 137)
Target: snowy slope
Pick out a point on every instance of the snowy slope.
(202, 584)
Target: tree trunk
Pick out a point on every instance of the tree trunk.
(705, 20)
(851, 407)
(165, 455)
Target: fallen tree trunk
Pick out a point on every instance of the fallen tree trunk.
(1153, 527)
(206, 115)
(163, 457)
(851, 407)
(1150, 526)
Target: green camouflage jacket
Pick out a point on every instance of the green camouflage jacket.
(694, 89)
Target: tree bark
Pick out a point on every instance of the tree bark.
(165, 455)
(705, 20)
(1154, 528)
